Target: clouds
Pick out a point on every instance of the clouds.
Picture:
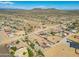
(20, 5)
(40, 6)
(5, 3)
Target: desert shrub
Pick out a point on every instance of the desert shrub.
(39, 52)
(32, 45)
(24, 53)
(14, 48)
(30, 52)
(12, 53)
(17, 42)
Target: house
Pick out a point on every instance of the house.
(73, 39)
(21, 52)
(4, 51)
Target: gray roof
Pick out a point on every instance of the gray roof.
(4, 51)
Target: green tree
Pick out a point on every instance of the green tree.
(14, 48)
(30, 52)
(39, 52)
(32, 45)
(12, 53)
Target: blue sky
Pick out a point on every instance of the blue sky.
(40, 4)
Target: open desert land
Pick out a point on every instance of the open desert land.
(38, 32)
(60, 49)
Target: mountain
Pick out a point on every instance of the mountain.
(44, 9)
(10, 9)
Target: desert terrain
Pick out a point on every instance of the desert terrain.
(38, 32)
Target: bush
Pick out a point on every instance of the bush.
(53, 33)
(14, 48)
(40, 53)
(30, 52)
(12, 53)
(32, 45)
(17, 42)
(24, 53)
